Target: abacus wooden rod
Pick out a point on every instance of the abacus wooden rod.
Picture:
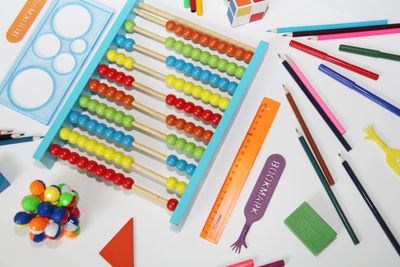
(149, 71)
(149, 34)
(149, 195)
(149, 130)
(149, 150)
(194, 26)
(149, 52)
(159, 177)
(149, 110)
(150, 17)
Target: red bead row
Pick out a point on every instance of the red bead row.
(189, 128)
(111, 92)
(197, 111)
(99, 170)
(211, 42)
(113, 74)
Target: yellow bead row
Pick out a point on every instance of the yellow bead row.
(120, 59)
(197, 91)
(100, 149)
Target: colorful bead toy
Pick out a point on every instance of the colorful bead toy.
(108, 118)
(49, 213)
(245, 11)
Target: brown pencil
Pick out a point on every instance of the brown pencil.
(309, 137)
(343, 30)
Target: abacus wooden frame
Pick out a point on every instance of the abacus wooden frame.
(185, 203)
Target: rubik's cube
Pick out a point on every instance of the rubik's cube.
(244, 11)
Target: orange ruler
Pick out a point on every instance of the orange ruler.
(239, 171)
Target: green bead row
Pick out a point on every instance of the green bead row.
(103, 110)
(188, 147)
(205, 57)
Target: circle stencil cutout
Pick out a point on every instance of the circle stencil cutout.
(31, 88)
(64, 63)
(78, 46)
(47, 45)
(72, 21)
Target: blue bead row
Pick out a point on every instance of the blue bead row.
(101, 129)
(204, 75)
(122, 41)
(181, 164)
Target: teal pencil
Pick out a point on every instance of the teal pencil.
(368, 52)
(19, 140)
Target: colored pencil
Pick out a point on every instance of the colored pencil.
(5, 132)
(279, 263)
(20, 140)
(343, 30)
(325, 56)
(368, 52)
(186, 3)
(315, 104)
(370, 204)
(355, 34)
(328, 189)
(328, 26)
(199, 7)
(10, 136)
(308, 135)
(352, 85)
(193, 6)
(315, 95)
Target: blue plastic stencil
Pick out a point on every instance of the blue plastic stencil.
(47, 66)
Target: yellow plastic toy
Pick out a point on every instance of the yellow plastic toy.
(392, 155)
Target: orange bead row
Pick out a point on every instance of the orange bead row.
(111, 92)
(189, 128)
(206, 40)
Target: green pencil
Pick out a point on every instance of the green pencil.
(328, 189)
(186, 3)
(368, 52)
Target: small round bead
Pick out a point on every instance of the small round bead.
(179, 83)
(120, 59)
(179, 29)
(109, 113)
(222, 65)
(239, 53)
(190, 168)
(189, 149)
(171, 204)
(170, 80)
(180, 123)
(100, 170)
(170, 25)
(128, 99)
(188, 68)
(187, 50)
(213, 61)
(128, 63)
(109, 153)
(213, 43)
(119, 77)
(215, 119)
(172, 160)
(101, 109)
(178, 46)
(128, 81)
(102, 69)
(223, 84)
(109, 174)
(93, 84)
(127, 162)
(221, 47)
(196, 72)
(197, 90)
(64, 153)
(118, 178)
(99, 149)
(214, 99)
(170, 120)
(214, 79)
(223, 103)
(171, 183)
(204, 57)
(188, 87)
(171, 140)
(180, 103)
(73, 137)
(180, 143)
(111, 55)
(195, 36)
(92, 105)
(128, 44)
(198, 152)
(197, 111)
(170, 61)
(179, 64)
(198, 131)
(118, 116)
(187, 32)
(127, 183)
(247, 56)
(205, 95)
(109, 133)
(82, 141)
(83, 101)
(230, 50)
(91, 125)
(64, 133)
(239, 72)
(55, 150)
(180, 187)
(170, 99)
(169, 42)
(207, 136)
(207, 114)
(204, 39)
(117, 157)
(127, 121)
(189, 106)
(196, 53)
(181, 165)
(111, 74)
(82, 162)
(102, 89)
(129, 25)
(189, 127)
(231, 68)
(205, 76)
(118, 137)
(101, 128)
(127, 140)
(91, 166)
(232, 87)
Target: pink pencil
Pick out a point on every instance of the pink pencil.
(355, 34)
(5, 132)
(316, 96)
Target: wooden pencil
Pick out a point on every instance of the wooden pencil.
(342, 30)
(10, 136)
(309, 137)
(19, 140)
(370, 204)
(328, 189)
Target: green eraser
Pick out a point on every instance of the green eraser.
(310, 228)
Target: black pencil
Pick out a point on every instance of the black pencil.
(343, 30)
(10, 136)
(371, 205)
(315, 104)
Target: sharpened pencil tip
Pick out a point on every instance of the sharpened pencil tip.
(289, 60)
(285, 89)
(298, 133)
(280, 57)
(341, 158)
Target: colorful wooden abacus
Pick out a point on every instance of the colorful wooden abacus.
(102, 94)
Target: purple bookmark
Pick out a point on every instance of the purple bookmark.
(261, 195)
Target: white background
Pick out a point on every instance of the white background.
(106, 209)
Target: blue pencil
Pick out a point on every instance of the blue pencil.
(352, 85)
(19, 140)
(329, 26)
